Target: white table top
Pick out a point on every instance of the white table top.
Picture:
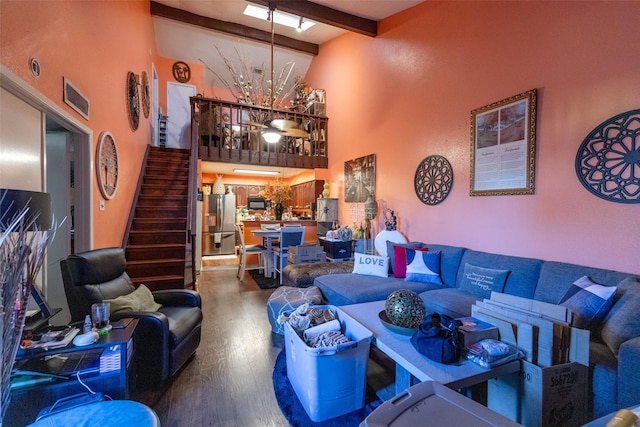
(397, 346)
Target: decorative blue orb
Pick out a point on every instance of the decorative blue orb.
(405, 308)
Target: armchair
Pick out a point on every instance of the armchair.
(164, 340)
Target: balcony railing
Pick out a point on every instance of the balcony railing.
(230, 132)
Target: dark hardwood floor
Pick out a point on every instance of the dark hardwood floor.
(228, 382)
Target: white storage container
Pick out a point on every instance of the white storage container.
(329, 381)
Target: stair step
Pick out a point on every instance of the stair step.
(157, 237)
(154, 212)
(165, 180)
(141, 224)
(159, 191)
(155, 267)
(150, 252)
(171, 200)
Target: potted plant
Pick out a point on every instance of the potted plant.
(278, 192)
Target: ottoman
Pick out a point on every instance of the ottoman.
(287, 298)
(303, 275)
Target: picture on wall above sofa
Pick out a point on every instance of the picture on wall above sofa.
(360, 179)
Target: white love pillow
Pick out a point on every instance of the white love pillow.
(371, 265)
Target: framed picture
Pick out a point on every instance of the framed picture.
(503, 147)
(360, 179)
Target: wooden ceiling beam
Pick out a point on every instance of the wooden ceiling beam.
(158, 9)
(324, 14)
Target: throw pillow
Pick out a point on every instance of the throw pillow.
(623, 322)
(139, 300)
(371, 265)
(391, 253)
(588, 301)
(400, 260)
(423, 266)
(480, 281)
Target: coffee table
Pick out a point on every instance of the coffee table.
(411, 364)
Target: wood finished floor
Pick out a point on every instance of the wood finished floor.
(228, 382)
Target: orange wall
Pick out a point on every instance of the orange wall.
(94, 45)
(408, 94)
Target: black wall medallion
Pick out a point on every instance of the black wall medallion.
(608, 161)
(433, 180)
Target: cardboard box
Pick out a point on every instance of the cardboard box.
(473, 330)
(305, 253)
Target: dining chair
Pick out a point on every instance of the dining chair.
(244, 250)
(289, 236)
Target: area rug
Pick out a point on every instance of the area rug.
(294, 412)
(264, 282)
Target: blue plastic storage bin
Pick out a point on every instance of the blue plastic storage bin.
(329, 381)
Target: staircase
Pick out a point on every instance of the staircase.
(157, 249)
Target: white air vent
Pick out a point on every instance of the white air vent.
(34, 67)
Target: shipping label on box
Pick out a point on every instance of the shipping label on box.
(555, 395)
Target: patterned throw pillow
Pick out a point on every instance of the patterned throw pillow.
(370, 265)
(423, 266)
(480, 281)
(588, 301)
(391, 251)
(400, 260)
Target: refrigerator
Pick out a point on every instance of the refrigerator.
(218, 235)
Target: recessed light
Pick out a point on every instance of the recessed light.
(256, 172)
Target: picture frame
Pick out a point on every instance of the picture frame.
(360, 179)
(503, 147)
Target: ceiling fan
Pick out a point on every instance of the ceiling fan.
(273, 130)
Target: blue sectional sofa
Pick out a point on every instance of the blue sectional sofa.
(615, 342)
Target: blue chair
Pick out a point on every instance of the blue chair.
(289, 236)
(244, 250)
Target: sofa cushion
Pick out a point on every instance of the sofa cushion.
(343, 289)
(480, 281)
(524, 271)
(450, 257)
(623, 320)
(449, 301)
(588, 301)
(370, 265)
(403, 256)
(139, 300)
(423, 266)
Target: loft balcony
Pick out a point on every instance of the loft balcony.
(231, 132)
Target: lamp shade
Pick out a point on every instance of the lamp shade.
(37, 204)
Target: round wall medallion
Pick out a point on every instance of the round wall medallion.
(433, 180)
(608, 161)
(133, 101)
(107, 165)
(146, 95)
(181, 72)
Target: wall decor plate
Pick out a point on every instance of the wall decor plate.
(146, 94)
(433, 180)
(181, 71)
(107, 165)
(608, 160)
(133, 100)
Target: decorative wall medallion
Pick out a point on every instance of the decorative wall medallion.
(433, 180)
(608, 161)
(181, 72)
(107, 165)
(146, 95)
(133, 101)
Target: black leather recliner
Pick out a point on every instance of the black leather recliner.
(164, 340)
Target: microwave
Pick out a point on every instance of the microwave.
(257, 203)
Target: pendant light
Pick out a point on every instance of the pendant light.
(271, 134)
